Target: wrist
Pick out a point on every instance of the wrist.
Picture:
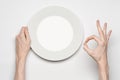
(20, 59)
(103, 64)
(103, 68)
(21, 55)
(103, 72)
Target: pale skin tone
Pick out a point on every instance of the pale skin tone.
(22, 50)
(99, 54)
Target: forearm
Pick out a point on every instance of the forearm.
(20, 69)
(103, 70)
(99, 54)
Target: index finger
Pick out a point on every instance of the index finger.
(92, 37)
(22, 31)
(27, 33)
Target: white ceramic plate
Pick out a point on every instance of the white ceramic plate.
(77, 33)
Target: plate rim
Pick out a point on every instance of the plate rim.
(80, 35)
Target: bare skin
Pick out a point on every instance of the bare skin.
(99, 54)
(22, 50)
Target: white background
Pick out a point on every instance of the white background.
(15, 13)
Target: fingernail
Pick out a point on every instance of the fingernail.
(97, 20)
(105, 23)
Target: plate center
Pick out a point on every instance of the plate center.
(55, 33)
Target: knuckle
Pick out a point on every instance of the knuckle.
(29, 40)
(102, 43)
(20, 36)
(17, 37)
(84, 47)
(93, 35)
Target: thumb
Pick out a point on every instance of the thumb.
(86, 48)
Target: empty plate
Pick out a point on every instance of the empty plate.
(56, 33)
